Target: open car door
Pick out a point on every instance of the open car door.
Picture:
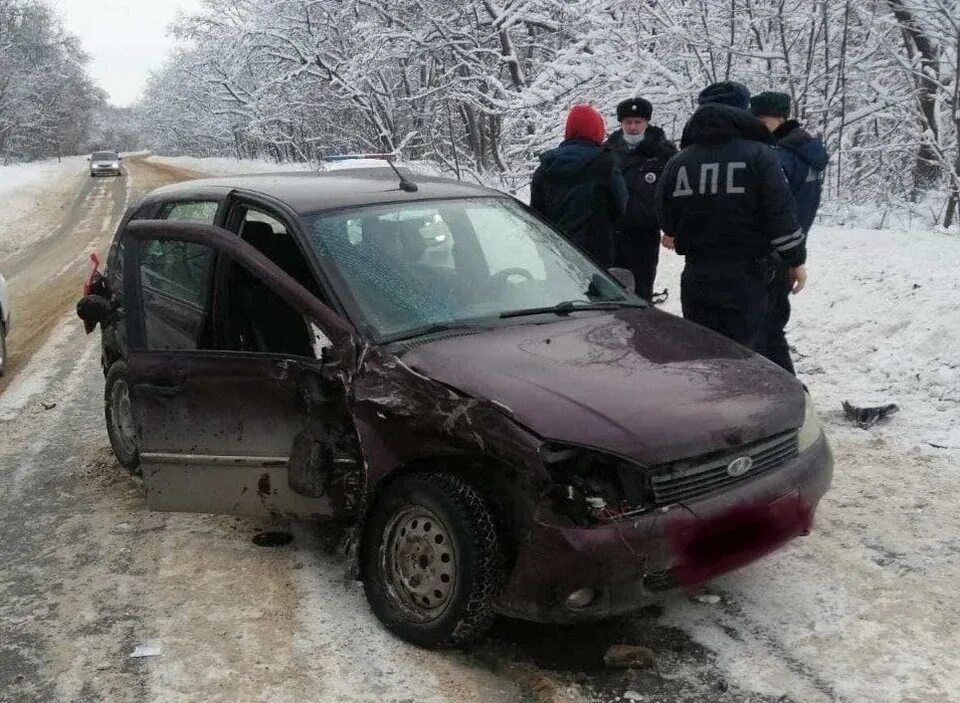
(219, 430)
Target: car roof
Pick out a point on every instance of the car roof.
(313, 191)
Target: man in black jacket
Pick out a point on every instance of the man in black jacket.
(724, 204)
(578, 187)
(804, 160)
(641, 151)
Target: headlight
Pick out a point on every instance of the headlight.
(810, 431)
(591, 484)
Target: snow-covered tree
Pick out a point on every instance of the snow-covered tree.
(47, 100)
(482, 86)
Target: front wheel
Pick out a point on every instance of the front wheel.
(431, 560)
(119, 416)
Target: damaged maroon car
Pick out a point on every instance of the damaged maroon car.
(503, 426)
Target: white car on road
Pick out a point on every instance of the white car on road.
(105, 163)
(4, 323)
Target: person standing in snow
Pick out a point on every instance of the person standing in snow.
(724, 205)
(578, 188)
(804, 160)
(641, 151)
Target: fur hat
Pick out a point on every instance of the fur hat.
(726, 93)
(636, 107)
(770, 104)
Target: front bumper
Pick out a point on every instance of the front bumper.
(629, 561)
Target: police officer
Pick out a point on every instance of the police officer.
(804, 160)
(578, 187)
(641, 151)
(724, 204)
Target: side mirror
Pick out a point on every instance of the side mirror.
(119, 158)
(93, 309)
(624, 277)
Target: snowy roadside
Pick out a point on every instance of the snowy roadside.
(879, 322)
(26, 189)
(863, 609)
(235, 167)
(224, 166)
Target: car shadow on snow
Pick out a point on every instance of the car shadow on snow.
(547, 660)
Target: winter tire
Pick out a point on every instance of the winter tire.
(119, 416)
(431, 561)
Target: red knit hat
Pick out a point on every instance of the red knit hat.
(584, 122)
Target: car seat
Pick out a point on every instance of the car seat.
(272, 323)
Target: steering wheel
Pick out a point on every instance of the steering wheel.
(515, 271)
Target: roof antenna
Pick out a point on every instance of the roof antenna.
(406, 185)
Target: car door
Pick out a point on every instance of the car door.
(237, 432)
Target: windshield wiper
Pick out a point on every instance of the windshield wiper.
(435, 328)
(569, 306)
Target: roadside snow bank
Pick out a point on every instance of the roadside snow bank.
(23, 188)
(224, 166)
(878, 323)
(864, 608)
(233, 167)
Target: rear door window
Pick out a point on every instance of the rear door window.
(201, 211)
(176, 278)
(179, 270)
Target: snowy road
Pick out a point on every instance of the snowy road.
(862, 610)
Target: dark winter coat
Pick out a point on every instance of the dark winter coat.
(641, 166)
(804, 160)
(725, 197)
(579, 189)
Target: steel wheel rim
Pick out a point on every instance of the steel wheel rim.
(419, 563)
(121, 415)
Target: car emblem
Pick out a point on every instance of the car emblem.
(650, 178)
(739, 466)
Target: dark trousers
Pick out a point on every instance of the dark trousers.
(639, 252)
(599, 248)
(773, 342)
(727, 297)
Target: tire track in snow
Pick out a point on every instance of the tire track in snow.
(66, 602)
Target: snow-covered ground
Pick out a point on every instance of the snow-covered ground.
(230, 167)
(865, 608)
(879, 322)
(24, 189)
(225, 166)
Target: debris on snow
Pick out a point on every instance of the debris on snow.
(629, 656)
(868, 416)
(145, 650)
(707, 598)
(632, 696)
(48, 406)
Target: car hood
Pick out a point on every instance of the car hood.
(639, 383)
